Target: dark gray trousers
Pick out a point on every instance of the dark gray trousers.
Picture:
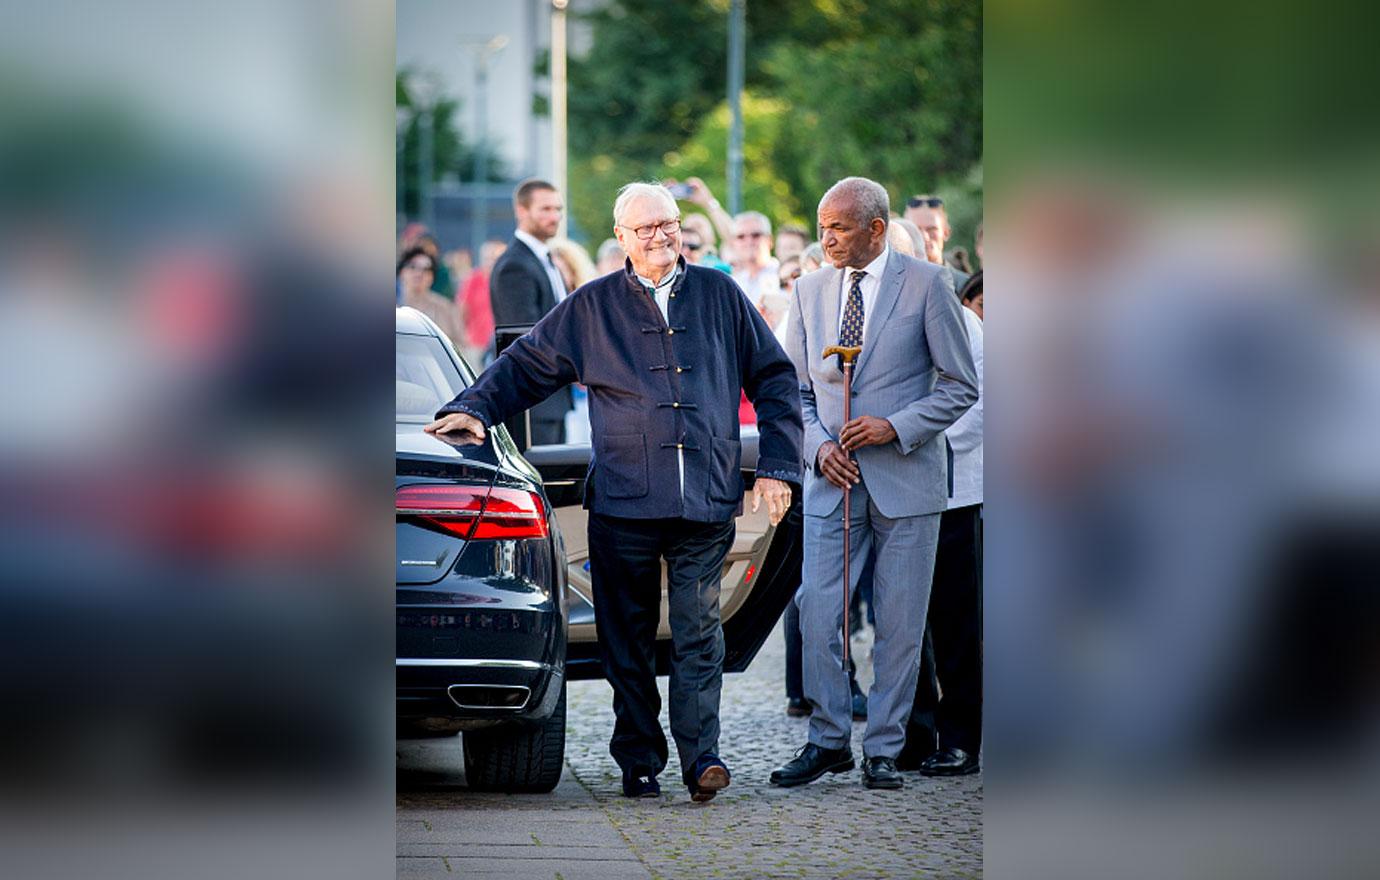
(625, 558)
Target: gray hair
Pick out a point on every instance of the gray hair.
(631, 192)
(869, 198)
(815, 253)
(900, 240)
(917, 238)
(608, 249)
(754, 215)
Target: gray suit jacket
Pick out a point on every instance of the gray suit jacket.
(915, 370)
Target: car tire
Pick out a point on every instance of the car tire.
(525, 759)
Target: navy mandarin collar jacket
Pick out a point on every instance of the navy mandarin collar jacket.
(657, 389)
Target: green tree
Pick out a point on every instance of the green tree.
(890, 89)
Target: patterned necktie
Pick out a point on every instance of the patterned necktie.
(851, 333)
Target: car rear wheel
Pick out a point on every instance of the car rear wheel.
(521, 759)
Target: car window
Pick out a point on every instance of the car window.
(425, 378)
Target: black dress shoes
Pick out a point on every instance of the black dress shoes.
(881, 773)
(949, 762)
(799, 708)
(810, 763)
(910, 760)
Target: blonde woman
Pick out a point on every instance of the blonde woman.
(573, 262)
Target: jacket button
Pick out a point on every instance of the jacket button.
(670, 332)
(675, 406)
(680, 370)
(680, 445)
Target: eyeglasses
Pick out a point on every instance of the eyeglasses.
(751, 235)
(647, 233)
(420, 266)
(924, 202)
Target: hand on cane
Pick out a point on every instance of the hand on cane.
(866, 431)
(837, 467)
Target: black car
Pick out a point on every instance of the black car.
(483, 619)
(481, 599)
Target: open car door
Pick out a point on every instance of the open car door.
(760, 575)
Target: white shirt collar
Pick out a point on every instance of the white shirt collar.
(537, 245)
(665, 282)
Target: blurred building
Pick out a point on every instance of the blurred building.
(443, 39)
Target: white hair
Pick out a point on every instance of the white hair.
(869, 198)
(609, 248)
(900, 240)
(631, 192)
(754, 215)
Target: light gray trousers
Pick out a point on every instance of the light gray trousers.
(904, 549)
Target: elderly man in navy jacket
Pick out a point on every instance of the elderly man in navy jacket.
(666, 350)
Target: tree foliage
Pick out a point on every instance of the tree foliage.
(890, 89)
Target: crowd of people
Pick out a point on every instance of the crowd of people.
(877, 286)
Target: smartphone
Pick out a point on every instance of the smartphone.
(681, 190)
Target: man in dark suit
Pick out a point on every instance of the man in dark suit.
(526, 284)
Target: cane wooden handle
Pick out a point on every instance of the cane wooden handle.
(848, 353)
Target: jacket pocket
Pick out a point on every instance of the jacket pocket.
(621, 466)
(725, 479)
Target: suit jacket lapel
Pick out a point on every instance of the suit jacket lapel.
(887, 296)
(534, 261)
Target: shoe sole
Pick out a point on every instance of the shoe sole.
(841, 767)
(712, 781)
(883, 786)
(930, 771)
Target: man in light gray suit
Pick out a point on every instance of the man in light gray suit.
(913, 379)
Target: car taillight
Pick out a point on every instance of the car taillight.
(474, 512)
(511, 513)
(453, 508)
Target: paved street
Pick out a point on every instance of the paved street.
(586, 829)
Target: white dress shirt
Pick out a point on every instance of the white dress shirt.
(755, 284)
(662, 294)
(871, 286)
(544, 256)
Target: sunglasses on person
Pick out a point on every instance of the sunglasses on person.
(924, 202)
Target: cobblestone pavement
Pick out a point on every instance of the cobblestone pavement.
(831, 828)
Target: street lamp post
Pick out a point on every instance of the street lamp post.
(400, 176)
(484, 48)
(737, 23)
(426, 165)
(558, 102)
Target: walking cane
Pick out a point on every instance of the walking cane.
(847, 354)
